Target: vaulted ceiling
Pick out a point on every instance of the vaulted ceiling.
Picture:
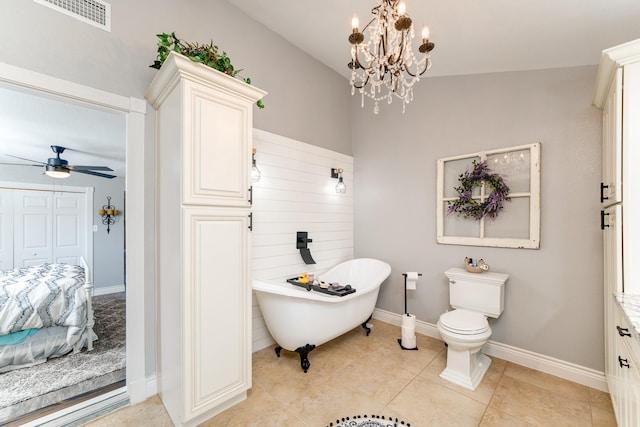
(471, 36)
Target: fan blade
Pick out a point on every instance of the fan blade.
(88, 168)
(19, 164)
(102, 175)
(28, 160)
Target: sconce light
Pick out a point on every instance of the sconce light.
(340, 186)
(255, 172)
(109, 214)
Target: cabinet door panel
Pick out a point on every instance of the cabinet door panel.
(217, 341)
(612, 143)
(216, 150)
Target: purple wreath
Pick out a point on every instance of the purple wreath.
(468, 207)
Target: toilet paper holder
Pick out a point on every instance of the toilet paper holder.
(405, 291)
(406, 313)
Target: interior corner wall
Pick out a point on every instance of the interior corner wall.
(306, 101)
(554, 298)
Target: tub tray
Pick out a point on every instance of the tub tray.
(308, 286)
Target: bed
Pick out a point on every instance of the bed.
(45, 311)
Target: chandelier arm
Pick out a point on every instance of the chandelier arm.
(367, 26)
(363, 84)
(356, 60)
(426, 65)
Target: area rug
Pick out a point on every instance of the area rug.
(26, 390)
(369, 421)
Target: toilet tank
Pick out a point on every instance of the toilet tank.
(480, 292)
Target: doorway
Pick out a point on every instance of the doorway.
(134, 111)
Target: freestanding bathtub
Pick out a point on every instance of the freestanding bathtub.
(299, 320)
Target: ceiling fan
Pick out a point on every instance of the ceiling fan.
(56, 167)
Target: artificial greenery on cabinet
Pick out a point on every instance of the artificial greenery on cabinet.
(207, 54)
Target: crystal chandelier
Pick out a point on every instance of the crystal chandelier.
(385, 66)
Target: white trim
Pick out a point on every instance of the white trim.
(549, 365)
(106, 290)
(610, 60)
(152, 386)
(135, 110)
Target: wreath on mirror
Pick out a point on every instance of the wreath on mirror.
(468, 207)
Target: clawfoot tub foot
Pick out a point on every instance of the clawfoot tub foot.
(304, 352)
(364, 325)
(278, 350)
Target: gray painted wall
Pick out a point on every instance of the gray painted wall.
(554, 296)
(307, 101)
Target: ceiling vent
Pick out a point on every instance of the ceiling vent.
(94, 12)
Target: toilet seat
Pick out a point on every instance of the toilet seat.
(464, 322)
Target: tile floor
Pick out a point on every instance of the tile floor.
(356, 374)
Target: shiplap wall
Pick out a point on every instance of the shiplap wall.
(296, 193)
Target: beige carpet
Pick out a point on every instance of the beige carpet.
(29, 389)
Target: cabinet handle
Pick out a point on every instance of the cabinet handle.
(251, 195)
(623, 332)
(251, 221)
(623, 362)
(602, 187)
(602, 224)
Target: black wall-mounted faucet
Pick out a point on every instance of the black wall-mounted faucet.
(302, 238)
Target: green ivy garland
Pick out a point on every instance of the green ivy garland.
(468, 207)
(206, 54)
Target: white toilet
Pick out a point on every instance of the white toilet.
(474, 296)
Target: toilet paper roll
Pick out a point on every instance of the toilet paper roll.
(409, 337)
(408, 331)
(409, 342)
(412, 279)
(409, 320)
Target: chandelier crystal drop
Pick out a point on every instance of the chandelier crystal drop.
(386, 62)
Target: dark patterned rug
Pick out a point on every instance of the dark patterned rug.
(369, 421)
(29, 389)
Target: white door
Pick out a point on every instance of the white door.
(69, 228)
(6, 229)
(49, 227)
(33, 242)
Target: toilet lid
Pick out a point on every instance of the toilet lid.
(464, 322)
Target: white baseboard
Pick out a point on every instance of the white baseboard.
(152, 386)
(263, 343)
(108, 290)
(549, 365)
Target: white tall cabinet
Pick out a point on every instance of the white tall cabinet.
(617, 92)
(203, 152)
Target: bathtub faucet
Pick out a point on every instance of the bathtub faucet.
(302, 238)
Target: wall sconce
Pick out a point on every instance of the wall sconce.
(255, 172)
(109, 214)
(341, 187)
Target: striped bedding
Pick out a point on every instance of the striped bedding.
(44, 296)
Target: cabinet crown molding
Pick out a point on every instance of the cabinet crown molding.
(178, 66)
(610, 60)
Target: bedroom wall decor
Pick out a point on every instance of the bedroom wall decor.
(109, 214)
(490, 198)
